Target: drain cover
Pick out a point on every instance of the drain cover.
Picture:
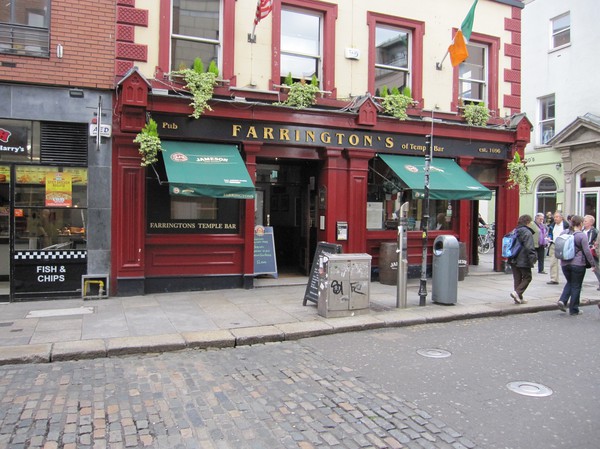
(434, 353)
(529, 389)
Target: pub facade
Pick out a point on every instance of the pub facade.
(337, 171)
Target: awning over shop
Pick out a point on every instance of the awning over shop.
(206, 169)
(447, 181)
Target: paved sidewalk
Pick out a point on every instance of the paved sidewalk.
(46, 331)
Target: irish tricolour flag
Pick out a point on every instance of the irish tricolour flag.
(458, 49)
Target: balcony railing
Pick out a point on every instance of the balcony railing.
(24, 40)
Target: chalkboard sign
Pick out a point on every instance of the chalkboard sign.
(264, 251)
(312, 288)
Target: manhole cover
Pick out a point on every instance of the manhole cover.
(434, 353)
(529, 389)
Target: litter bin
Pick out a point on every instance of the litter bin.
(444, 288)
(463, 266)
(344, 285)
(388, 263)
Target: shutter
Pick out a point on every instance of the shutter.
(64, 143)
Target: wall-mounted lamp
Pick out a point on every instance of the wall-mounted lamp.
(59, 51)
(75, 93)
(558, 165)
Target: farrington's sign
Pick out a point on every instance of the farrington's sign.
(181, 127)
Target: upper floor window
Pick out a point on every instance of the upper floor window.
(301, 44)
(472, 75)
(392, 65)
(195, 32)
(561, 31)
(24, 27)
(547, 115)
(395, 54)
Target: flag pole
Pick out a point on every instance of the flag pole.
(252, 36)
(438, 65)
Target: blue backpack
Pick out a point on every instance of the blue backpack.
(564, 247)
(511, 245)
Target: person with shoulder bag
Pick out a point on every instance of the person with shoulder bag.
(592, 235)
(574, 269)
(522, 262)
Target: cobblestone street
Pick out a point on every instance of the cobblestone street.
(278, 395)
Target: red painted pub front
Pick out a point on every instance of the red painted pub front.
(318, 176)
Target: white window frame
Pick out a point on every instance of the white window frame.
(555, 33)
(483, 82)
(409, 44)
(317, 57)
(217, 42)
(542, 105)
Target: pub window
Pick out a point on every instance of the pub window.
(24, 27)
(560, 31)
(472, 75)
(547, 114)
(301, 44)
(386, 193)
(169, 214)
(392, 58)
(196, 32)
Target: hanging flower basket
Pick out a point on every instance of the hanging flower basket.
(518, 174)
(476, 114)
(149, 142)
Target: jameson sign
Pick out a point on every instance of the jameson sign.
(176, 127)
(13, 141)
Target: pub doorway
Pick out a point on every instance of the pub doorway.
(286, 199)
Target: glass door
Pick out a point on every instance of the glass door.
(590, 204)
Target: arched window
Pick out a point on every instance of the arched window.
(545, 196)
(590, 178)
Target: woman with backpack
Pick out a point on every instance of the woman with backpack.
(523, 261)
(574, 269)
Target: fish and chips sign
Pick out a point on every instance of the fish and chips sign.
(59, 190)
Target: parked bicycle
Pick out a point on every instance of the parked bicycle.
(485, 239)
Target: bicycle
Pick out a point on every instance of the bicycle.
(485, 239)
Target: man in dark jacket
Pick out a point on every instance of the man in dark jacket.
(554, 230)
(523, 262)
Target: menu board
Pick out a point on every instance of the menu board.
(264, 251)
(312, 288)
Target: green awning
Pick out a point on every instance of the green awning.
(447, 181)
(206, 169)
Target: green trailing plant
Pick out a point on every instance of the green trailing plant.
(518, 174)
(201, 85)
(302, 95)
(396, 103)
(476, 114)
(149, 142)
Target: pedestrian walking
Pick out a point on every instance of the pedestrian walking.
(522, 263)
(536, 237)
(592, 234)
(554, 230)
(574, 269)
(542, 241)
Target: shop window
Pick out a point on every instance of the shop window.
(195, 33)
(386, 193)
(546, 196)
(50, 206)
(24, 27)
(395, 59)
(560, 31)
(547, 114)
(476, 79)
(590, 178)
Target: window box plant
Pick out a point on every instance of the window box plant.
(201, 85)
(396, 103)
(301, 94)
(476, 114)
